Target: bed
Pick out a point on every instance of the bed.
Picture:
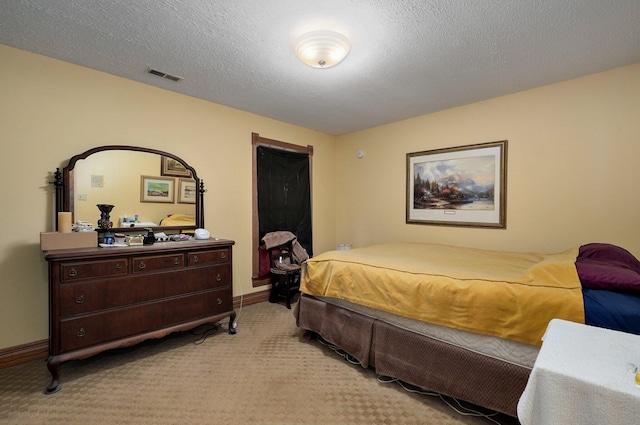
(178, 220)
(463, 322)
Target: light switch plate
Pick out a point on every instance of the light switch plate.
(97, 181)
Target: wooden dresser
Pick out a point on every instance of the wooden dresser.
(105, 298)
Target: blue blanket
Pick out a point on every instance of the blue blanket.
(612, 310)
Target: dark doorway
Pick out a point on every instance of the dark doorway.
(282, 196)
(284, 193)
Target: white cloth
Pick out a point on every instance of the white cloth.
(581, 377)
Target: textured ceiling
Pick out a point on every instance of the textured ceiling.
(408, 58)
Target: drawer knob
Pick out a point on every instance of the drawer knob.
(195, 258)
(80, 299)
(73, 272)
(142, 265)
(176, 261)
(219, 301)
(81, 333)
(223, 255)
(118, 266)
(218, 277)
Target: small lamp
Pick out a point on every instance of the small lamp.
(322, 49)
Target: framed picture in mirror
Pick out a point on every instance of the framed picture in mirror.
(172, 167)
(187, 191)
(157, 189)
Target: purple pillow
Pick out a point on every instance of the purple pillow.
(609, 267)
(609, 253)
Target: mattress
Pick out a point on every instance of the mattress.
(508, 295)
(513, 352)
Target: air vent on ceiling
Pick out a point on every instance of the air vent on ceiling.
(164, 75)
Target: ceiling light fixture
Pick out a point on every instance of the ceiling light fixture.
(322, 49)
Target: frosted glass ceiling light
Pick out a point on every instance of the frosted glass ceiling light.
(322, 49)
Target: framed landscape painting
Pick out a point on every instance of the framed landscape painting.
(459, 186)
(187, 191)
(157, 189)
(171, 167)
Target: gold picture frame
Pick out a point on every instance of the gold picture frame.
(157, 189)
(459, 186)
(173, 168)
(187, 191)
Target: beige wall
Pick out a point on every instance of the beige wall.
(51, 110)
(572, 168)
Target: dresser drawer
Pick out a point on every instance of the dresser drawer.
(84, 331)
(158, 262)
(89, 296)
(80, 270)
(214, 256)
(217, 276)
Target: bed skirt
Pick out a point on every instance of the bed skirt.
(416, 359)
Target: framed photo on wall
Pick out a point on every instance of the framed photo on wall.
(171, 167)
(157, 189)
(459, 186)
(187, 191)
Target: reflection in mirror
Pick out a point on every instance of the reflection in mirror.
(114, 177)
(139, 182)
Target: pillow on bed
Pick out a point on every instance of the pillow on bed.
(609, 253)
(605, 266)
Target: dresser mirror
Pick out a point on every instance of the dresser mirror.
(147, 188)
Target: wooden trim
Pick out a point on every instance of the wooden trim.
(250, 299)
(255, 263)
(13, 356)
(261, 281)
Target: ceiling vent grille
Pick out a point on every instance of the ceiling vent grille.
(164, 75)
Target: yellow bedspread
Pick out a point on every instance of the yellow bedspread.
(506, 294)
(179, 220)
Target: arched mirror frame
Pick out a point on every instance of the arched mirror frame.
(64, 183)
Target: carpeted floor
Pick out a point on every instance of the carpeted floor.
(267, 373)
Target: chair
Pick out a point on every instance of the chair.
(285, 273)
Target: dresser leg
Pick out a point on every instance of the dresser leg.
(232, 322)
(53, 364)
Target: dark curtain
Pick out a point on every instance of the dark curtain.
(284, 193)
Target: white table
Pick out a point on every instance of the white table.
(581, 377)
